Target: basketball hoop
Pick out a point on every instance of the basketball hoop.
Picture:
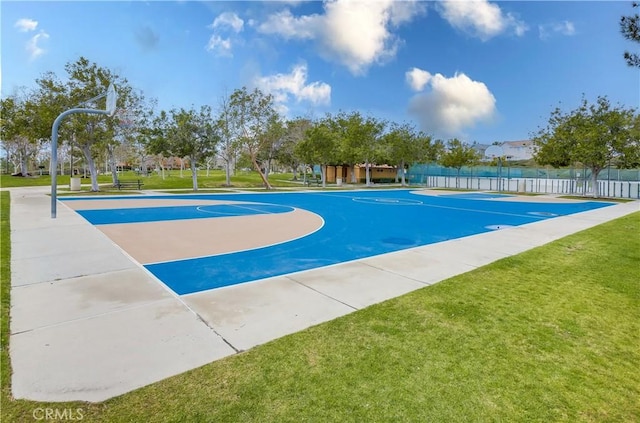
(126, 118)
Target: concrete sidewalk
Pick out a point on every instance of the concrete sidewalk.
(89, 323)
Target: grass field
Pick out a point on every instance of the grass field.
(552, 334)
(172, 180)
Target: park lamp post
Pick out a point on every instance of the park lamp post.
(109, 111)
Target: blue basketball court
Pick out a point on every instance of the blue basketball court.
(357, 224)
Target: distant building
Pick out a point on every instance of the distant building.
(378, 173)
(480, 148)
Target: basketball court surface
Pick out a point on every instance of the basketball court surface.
(197, 243)
(120, 292)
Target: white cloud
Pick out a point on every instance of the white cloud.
(355, 34)
(452, 104)
(417, 78)
(284, 86)
(563, 28)
(480, 18)
(228, 19)
(288, 26)
(26, 25)
(219, 46)
(33, 45)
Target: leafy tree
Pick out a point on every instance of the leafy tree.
(294, 134)
(127, 129)
(271, 142)
(428, 151)
(86, 82)
(251, 115)
(630, 28)
(138, 135)
(192, 134)
(360, 140)
(14, 125)
(25, 125)
(594, 135)
(457, 155)
(401, 145)
(228, 146)
(319, 146)
(154, 137)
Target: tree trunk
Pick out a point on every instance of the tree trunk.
(594, 181)
(113, 164)
(353, 174)
(24, 168)
(367, 173)
(265, 181)
(86, 150)
(267, 168)
(323, 173)
(402, 171)
(227, 172)
(194, 173)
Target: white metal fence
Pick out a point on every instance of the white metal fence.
(618, 189)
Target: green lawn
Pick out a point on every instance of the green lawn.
(552, 334)
(172, 180)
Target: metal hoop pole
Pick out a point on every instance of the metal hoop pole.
(54, 151)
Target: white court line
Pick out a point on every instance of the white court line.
(246, 208)
(264, 211)
(214, 212)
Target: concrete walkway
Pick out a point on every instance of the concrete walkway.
(89, 323)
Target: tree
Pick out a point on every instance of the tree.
(192, 134)
(319, 146)
(594, 135)
(271, 142)
(630, 28)
(428, 152)
(294, 134)
(25, 125)
(251, 114)
(360, 140)
(458, 155)
(228, 147)
(127, 128)
(13, 129)
(154, 139)
(401, 146)
(86, 82)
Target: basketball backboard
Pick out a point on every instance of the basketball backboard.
(112, 98)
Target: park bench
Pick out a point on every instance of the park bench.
(128, 184)
(317, 179)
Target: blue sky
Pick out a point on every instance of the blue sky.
(482, 71)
